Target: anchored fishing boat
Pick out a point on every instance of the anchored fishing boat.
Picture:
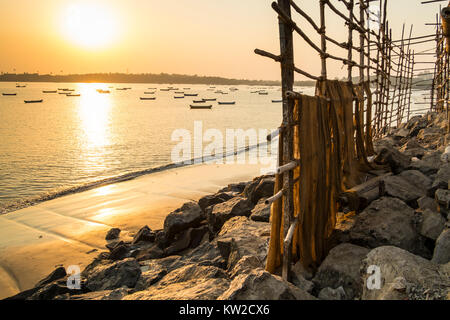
(277, 101)
(49, 91)
(33, 101)
(227, 102)
(212, 99)
(149, 93)
(103, 91)
(191, 94)
(73, 95)
(178, 97)
(199, 101)
(148, 98)
(9, 94)
(201, 106)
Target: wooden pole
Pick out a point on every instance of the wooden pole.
(287, 78)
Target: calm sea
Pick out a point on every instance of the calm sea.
(65, 143)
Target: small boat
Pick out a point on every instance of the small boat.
(186, 88)
(227, 102)
(103, 91)
(73, 95)
(277, 101)
(49, 91)
(121, 89)
(178, 97)
(18, 86)
(9, 94)
(199, 101)
(263, 93)
(213, 99)
(200, 106)
(62, 92)
(33, 101)
(147, 98)
(152, 88)
(149, 93)
(191, 94)
(179, 92)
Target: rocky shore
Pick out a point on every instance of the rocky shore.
(396, 228)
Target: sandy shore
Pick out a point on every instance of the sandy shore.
(71, 230)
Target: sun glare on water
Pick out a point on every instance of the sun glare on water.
(90, 25)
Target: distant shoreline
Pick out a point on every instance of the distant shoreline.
(161, 78)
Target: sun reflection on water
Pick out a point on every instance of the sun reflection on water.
(94, 112)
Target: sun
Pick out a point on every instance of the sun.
(90, 25)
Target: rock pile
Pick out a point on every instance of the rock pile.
(391, 242)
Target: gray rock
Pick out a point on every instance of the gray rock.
(206, 254)
(213, 199)
(113, 275)
(429, 164)
(404, 276)
(441, 181)
(113, 244)
(145, 234)
(188, 239)
(432, 224)
(197, 289)
(413, 149)
(417, 179)
(341, 268)
(152, 252)
(427, 203)
(241, 237)
(222, 212)
(397, 161)
(398, 187)
(119, 252)
(261, 187)
(57, 274)
(261, 285)
(332, 294)
(191, 282)
(261, 212)
(188, 216)
(388, 221)
(442, 249)
(192, 272)
(152, 272)
(416, 124)
(245, 265)
(113, 234)
(443, 198)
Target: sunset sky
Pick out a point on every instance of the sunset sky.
(204, 37)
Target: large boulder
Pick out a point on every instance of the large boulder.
(213, 199)
(341, 268)
(189, 238)
(261, 187)
(113, 275)
(261, 285)
(261, 212)
(442, 179)
(443, 199)
(241, 237)
(431, 224)
(145, 234)
(222, 212)
(417, 179)
(388, 221)
(442, 249)
(399, 187)
(191, 282)
(404, 276)
(393, 158)
(188, 216)
(429, 164)
(427, 203)
(112, 234)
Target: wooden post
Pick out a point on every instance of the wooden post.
(362, 20)
(287, 78)
(351, 5)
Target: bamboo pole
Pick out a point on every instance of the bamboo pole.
(287, 76)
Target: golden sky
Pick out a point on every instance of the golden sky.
(204, 37)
